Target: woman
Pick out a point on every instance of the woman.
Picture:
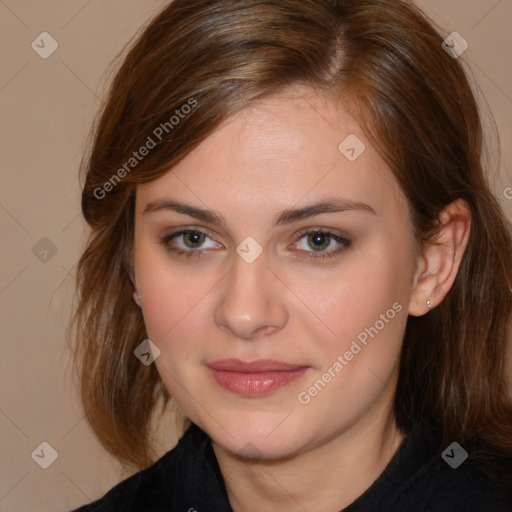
(293, 237)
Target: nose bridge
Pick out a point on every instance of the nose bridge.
(250, 299)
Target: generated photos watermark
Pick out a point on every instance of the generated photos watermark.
(305, 397)
(146, 352)
(454, 455)
(137, 156)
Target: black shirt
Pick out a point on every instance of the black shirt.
(188, 479)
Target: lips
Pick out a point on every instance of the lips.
(256, 377)
(258, 366)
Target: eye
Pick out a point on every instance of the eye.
(319, 240)
(187, 242)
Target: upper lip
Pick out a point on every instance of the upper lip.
(259, 365)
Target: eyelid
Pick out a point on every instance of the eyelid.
(324, 230)
(341, 239)
(165, 239)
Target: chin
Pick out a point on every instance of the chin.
(258, 439)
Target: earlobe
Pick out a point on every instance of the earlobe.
(135, 294)
(439, 262)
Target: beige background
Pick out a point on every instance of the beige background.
(47, 108)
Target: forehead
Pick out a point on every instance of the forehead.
(280, 150)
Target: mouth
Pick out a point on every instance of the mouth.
(255, 378)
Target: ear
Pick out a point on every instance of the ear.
(135, 294)
(136, 298)
(440, 259)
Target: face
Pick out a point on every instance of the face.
(315, 298)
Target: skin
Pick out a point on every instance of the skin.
(280, 153)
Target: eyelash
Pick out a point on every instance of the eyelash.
(345, 243)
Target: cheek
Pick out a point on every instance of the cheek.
(366, 314)
(370, 289)
(169, 309)
(175, 321)
(171, 299)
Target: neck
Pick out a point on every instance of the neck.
(326, 477)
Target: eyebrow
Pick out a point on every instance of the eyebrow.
(330, 205)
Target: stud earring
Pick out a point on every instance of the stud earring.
(429, 304)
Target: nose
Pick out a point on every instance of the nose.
(252, 301)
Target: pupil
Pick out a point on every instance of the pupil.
(319, 238)
(194, 238)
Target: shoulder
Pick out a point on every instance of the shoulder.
(422, 477)
(156, 487)
(125, 494)
(468, 489)
(442, 486)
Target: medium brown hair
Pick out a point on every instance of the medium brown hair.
(384, 60)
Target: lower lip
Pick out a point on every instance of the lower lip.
(255, 384)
